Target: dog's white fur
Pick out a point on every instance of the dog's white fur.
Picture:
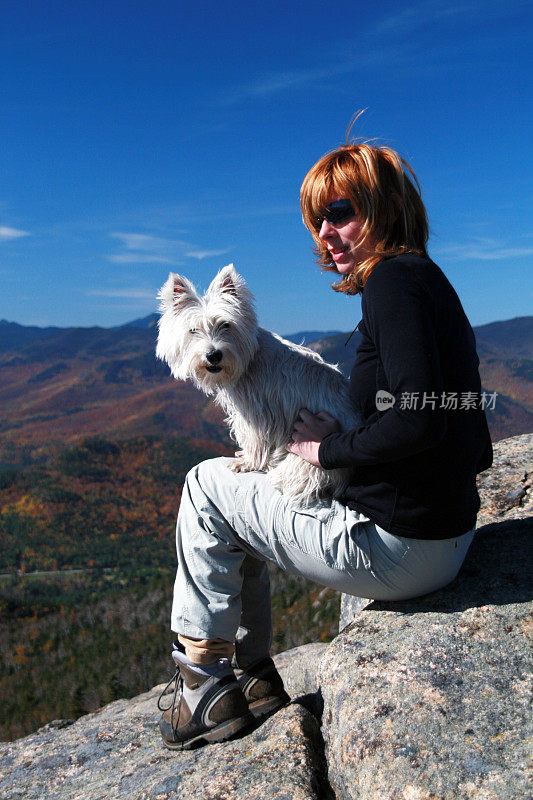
(262, 380)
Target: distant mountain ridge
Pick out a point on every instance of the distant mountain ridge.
(513, 337)
(12, 334)
(60, 384)
(143, 322)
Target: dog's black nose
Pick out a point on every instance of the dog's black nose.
(214, 356)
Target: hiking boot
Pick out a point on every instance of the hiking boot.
(205, 707)
(262, 687)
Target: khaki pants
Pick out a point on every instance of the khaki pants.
(230, 524)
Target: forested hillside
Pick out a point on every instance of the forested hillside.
(59, 385)
(87, 565)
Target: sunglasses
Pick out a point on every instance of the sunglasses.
(335, 213)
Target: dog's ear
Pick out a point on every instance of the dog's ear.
(177, 292)
(227, 281)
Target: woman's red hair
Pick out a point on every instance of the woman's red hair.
(381, 186)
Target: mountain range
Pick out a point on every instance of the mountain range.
(58, 385)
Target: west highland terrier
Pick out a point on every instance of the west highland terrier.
(260, 380)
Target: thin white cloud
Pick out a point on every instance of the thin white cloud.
(274, 82)
(483, 250)
(137, 294)
(138, 258)
(143, 241)
(381, 44)
(368, 51)
(142, 248)
(6, 234)
(420, 15)
(201, 254)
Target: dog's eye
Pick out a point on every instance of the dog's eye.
(224, 326)
(193, 331)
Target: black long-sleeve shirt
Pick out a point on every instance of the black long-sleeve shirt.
(414, 468)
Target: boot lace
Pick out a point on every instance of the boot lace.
(177, 679)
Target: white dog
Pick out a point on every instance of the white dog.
(260, 380)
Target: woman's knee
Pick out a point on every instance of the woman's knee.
(205, 471)
(209, 477)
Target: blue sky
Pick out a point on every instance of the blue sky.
(143, 137)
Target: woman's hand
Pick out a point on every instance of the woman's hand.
(309, 430)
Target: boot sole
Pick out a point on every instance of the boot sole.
(220, 733)
(265, 708)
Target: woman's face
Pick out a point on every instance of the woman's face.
(342, 242)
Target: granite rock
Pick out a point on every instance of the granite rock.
(116, 753)
(299, 669)
(429, 699)
(505, 490)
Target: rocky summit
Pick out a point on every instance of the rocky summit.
(424, 699)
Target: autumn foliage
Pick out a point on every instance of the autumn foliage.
(87, 561)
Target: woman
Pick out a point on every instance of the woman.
(405, 522)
